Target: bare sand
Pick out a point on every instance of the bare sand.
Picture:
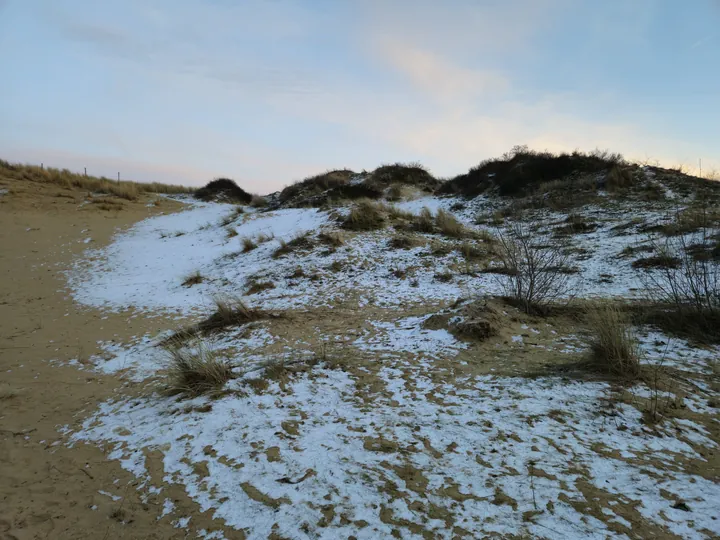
(48, 490)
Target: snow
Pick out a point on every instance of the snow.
(402, 442)
(489, 436)
(145, 267)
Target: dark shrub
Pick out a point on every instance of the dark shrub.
(223, 190)
(522, 168)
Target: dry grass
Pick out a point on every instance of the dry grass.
(255, 287)
(258, 201)
(471, 251)
(193, 279)
(406, 241)
(196, 370)
(450, 226)
(63, 177)
(657, 261)
(619, 177)
(365, 216)
(332, 238)
(614, 347)
(229, 311)
(424, 221)
(248, 244)
(302, 242)
(232, 216)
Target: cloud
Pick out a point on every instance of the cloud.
(433, 74)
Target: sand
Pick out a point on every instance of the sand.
(46, 489)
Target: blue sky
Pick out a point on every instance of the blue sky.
(270, 91)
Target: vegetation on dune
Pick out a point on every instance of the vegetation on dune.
(520, 169)
(124, 189)
(223, 190)
(613, 345)
(196, 370)
(336, 186)
(530, 273)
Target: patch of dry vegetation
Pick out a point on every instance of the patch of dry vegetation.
(196, 370)
(248, 244)
(366, 215)
(64, 178)
(406, 241)
(302, 242)
(255, 287)
(193, 279)
(229, 311)
(613, 345)
(450, 226)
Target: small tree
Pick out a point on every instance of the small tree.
(533, 274)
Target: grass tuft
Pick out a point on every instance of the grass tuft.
(450, 226)
(248, 244)
(196, 370)
(612, 343)
(193, 279)
(365, 216)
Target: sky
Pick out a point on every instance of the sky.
(270, 91)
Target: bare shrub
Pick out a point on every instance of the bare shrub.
(531, 277)
(196, 370)
(688, 290)
(613, 345)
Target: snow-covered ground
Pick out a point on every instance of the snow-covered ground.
(145, 267)
(394, 440)
(509, 456)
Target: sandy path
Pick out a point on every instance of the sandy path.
(46, 489)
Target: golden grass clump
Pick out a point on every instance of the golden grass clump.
(613, 345)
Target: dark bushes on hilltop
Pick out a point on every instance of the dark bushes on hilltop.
(342, 185)
(223, 190)
(522, 168)
(314, 185)
(413, 174)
